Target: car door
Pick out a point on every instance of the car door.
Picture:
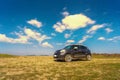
(82, 51)
(75, 51)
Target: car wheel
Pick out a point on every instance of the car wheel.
(88, 57)
(68, 58)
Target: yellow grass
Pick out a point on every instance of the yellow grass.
(45, 68)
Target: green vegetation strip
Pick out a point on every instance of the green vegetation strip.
(6, 56)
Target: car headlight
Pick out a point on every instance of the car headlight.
(55, 55)
(62, 52)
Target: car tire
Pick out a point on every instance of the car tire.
(68, 58)
(88, 57)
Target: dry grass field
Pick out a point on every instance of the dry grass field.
(102, 67)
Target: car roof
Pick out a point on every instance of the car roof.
(76, 45)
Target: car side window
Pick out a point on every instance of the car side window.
(83, 47)
(75, 47)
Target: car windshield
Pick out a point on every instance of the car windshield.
(68, 47)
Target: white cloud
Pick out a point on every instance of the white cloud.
(84, 39)
(108, 30)
(24, 37)
(95, 28)
(116, 38)
(73, 22)
(46, 44)
(20, 39)
(65, 13)
(35, 35)
(76, 21)
(70, 41)
(101, 38)
(4, 38)
(59, 27)
(35, 22)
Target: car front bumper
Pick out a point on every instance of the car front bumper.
(58, 57)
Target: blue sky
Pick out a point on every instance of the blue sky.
(43, 26)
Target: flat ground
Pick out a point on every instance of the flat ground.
(102, 67)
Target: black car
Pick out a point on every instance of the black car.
(72, 52)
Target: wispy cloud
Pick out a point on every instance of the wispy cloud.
(46, 44)
(53, 34)
(68, 42)
(101, 38)
(90, 33)
(108, 30)
(65, 8)
(67, 35)
(59, 44)
(84, 39)
(35, 22)
(87, 10)
(65, 13)
(114, 39)
(94, 28)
